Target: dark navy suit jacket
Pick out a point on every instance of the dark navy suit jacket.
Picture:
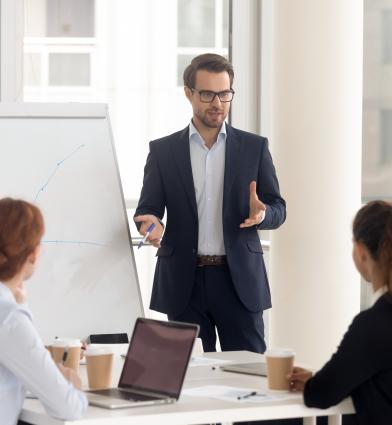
(168, 183)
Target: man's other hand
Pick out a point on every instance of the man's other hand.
(256, 208)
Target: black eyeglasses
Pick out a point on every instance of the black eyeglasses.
(208, 96)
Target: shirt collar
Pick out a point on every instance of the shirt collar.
(6, 293)
(193, 131)
(376, 295)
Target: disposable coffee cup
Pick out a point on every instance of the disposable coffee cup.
(72, 347)
(99, 361)
(280, 363)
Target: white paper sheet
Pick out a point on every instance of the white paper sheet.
(237, 394)
(205, 361)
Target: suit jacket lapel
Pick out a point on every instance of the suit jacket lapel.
(182, 157)
(232, 162)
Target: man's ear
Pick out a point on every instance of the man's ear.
(188, 93)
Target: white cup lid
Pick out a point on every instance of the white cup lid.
(97, 351)
(280, 352)
(66, 342)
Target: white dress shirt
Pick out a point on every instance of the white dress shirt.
(208, 169)
(26, 364)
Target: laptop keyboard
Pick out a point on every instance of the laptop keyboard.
(124, 395)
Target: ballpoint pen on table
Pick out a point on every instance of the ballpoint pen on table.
(251, 394)
(150, 228)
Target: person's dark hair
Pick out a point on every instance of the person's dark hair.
(209, 62)
(21, 230)
(373, 227)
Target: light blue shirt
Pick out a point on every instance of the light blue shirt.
(26, 364)
(208, 170)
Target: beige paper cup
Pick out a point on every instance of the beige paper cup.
(99, 361)
(280, 363)
(73, 347)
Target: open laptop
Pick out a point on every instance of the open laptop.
(154, 368)
(258, 368)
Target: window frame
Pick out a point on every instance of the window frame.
(11, 50)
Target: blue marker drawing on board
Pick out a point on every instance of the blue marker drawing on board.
(58, 241)
(42, 189)
(58, 165)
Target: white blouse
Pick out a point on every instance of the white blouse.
(26, 364)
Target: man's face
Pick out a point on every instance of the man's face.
(210, 114)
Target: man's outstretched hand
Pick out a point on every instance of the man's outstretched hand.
(256, 208)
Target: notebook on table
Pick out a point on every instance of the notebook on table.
(154, 368)
(257, 368)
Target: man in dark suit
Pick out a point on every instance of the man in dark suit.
(218, 186)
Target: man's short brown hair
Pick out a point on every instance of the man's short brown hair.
(209, 62)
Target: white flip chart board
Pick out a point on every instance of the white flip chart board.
(61, 157)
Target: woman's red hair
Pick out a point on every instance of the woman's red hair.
(21, 230)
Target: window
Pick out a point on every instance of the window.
(377, 101)
(59, 46)
(69, 69)
(202, 26)
(70, 18)
(196, 23)
(126, 53)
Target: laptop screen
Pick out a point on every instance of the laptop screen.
(158, 356)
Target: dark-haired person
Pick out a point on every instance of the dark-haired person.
(362, 365)
(24, 361)
(218, 186)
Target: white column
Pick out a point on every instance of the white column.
(11, 50)
(245, 57)
(316, 145)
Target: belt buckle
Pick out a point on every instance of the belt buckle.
(210, 260)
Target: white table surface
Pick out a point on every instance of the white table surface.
(195, 410)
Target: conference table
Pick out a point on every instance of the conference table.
(203, 409)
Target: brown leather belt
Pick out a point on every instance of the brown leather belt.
(211, 260)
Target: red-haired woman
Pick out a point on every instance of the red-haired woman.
(362, 365)
(24, 361)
